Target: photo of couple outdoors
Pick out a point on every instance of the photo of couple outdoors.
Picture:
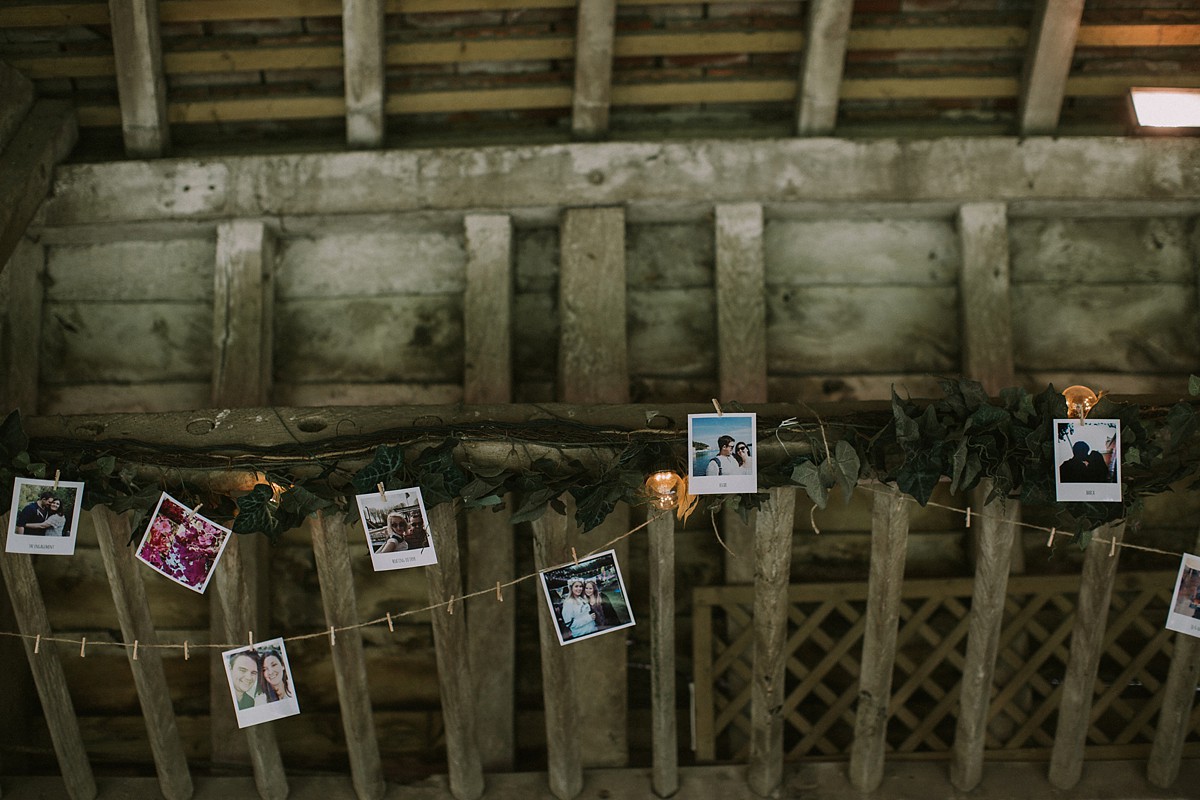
(723, 447)
(260, 682)
(44, 517)
(587, 599)
(397, 529)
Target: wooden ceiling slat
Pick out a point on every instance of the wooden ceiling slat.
(1138, 36)
(54, 16)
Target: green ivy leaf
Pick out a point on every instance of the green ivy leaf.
(1193, 385)
(847, 464)
(594, 503)
(919, 475)
(12, 436)
(388, 461)
(533, 505)
(906, 427)
(301, 502)
(257, 513)
(807, 475)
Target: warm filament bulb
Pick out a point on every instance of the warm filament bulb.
(663, 489)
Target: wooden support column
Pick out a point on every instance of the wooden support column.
(665, 757)
(365, 76)
(1047, 64)
(559, 695)
(30, 611)
(741, 345)
(593, 67)
(825, 33)
(233, 594)
(889, 540)
(140, 83)
(772, 569)
(593, 368)
(349, 664)
(1175, 714)
(1087, 645)
(487, 378)
(44, 138)
(133, 612)
(16, 98)
(993, 557)
(984, 291)
(453, 661)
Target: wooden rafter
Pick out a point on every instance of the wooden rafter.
(593, 67)
(140, 81)
(826, 35)
(362, 34)
(1047, 64)
(43, 139)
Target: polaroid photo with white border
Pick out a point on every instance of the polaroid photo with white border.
(397, 529)
(260, 682)
(44, 518)
(182, 545)
(1184, 614)
(723, 453)
(1087, 460)
(587, 599)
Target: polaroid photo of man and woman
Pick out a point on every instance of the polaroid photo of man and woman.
(587, 599)
(1088, 458)
(260, 682)
(1184, 614)
(397, 529)
(44, 519)
(723, 454)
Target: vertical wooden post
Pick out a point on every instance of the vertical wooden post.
(665, 758)
(825, 34)
(349, 665)
(487, 378)
(140, 82)
(558, 671)
(997, 530)
(889, 539)
(30, 611)
(773, 563)
(594, 29)
(1048, 64)
(453, 661)
(1087, 645)
(133, 612)
(984, 289)
(363, 68)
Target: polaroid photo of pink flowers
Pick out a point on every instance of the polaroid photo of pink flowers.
(181, 545)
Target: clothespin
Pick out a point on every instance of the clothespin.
(192, 512)
(332, 637)
(717, 406)
(574, 557)
(499, 594)
(450, 606)
(135, 646)
(968, 516)
(56, 474)
(250, 638)
(83, 647)
(382, 493)
(1050, 538)
(37, 644)
(186, 655)
(391, 627)
(1112, 547)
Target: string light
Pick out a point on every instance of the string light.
(662, 489)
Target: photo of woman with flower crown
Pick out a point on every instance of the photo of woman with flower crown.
(181, 545)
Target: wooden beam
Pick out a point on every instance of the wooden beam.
(1047, 64)
(1087, 645)
(17, 93)
(595, 22)
(243, 302)
(487, 378)
(665, 757)
(559, 695)
(43, 139)
(827, 29)
(772, 570)
(332, 557)
(140, 82)
(997, 531)
(363, 41)
(889, 539)
(133, 613)
(453, 658)
(21, 292)
(57, 708)
(984, 296)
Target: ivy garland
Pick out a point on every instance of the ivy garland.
(965, 437)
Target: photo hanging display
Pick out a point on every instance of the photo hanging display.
(397, 529)
(182, 545)
(587, 599)
(260, 682)
(1184, 614)
(1087, 457)
(724, 454)
(45, 517)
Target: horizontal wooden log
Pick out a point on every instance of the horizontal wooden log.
(1078, 251)
(372, 264)
(176, 270)
(919, 252)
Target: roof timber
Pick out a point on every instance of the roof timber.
(140, 81)
(1048, 64)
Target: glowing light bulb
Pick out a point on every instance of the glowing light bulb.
(663, 489)
(1080, 400)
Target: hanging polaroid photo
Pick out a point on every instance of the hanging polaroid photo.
(723, 454)
(260, 682)
(182, 545)
(44, 517)
(1184, 615)
(587, 599)
(397, 529)
(1088, 458)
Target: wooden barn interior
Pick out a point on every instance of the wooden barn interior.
(228, 226)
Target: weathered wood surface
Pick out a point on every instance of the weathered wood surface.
(889, 538)
(397, 256)
(487, 310)
(741, 311)
(826, 30)
(888, 251)
(594, 30)
(141, 83)
(772, 563)
(1087, 645)
(21, 290)
(129, 597)
(175, 270)
(996, 534)
(17, 91)
(1073, 251)
(243, 320)
(44, 137)
(986, 319)
(349, 667)
(559, 695)
(665, 756)
(365, 78)
(30, 611)
(1048, 64)
(453, 657)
